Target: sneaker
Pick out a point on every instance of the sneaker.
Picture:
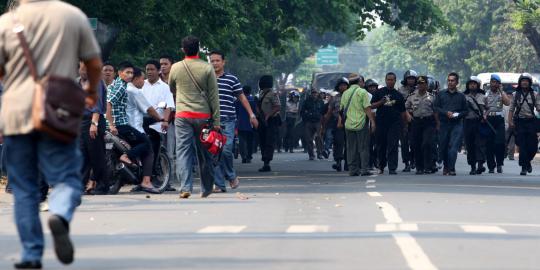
(499, 169)
(62, 242)
(185, 195)
(235, 183)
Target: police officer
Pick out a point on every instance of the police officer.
(475, 128)
(522, 117)
(423, 125)
(408, 87)
(495, 145)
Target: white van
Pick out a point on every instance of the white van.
(509, 81)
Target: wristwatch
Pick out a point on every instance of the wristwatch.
(95, 123)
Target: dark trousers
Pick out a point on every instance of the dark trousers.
(373, 161)
(422, 132)
(140, 145)
(495, 143)
(407, 154)
(246, 144)
(339, 143)
(527, 140)
(358, 150)
(290, 135)
(312, 131)
(450, 139)
(267, 136)
(93, 152)
(387, 144)
(475, 142)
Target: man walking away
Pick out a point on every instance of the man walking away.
(197, 102)
(246, 132)
(451, 106)
(312, 112)
(59, 36)
(522, 117)
(356, 108)
(269, 119)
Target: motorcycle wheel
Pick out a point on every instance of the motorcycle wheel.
(163, 171)
(112, 175)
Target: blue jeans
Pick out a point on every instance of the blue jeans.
(450, 139)
(224, 169)
(28, 156)
(188, 146)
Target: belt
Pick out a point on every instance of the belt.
(423, 117)
(495, 114)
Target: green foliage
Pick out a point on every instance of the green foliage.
(526, 11)
(483, 40)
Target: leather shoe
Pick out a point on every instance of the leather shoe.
(62, 243)
(28, 265)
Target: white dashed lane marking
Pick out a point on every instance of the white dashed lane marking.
(307, 229)
(482, 229)
(222, 229)
(374, 194)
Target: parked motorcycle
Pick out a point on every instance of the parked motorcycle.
(120, 174)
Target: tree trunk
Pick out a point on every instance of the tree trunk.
(533, 36)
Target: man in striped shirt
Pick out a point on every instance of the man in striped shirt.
(230, 89)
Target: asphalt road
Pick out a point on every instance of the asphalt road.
(306, 216)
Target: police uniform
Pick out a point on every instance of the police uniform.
(475, 132)
(523, 107)
(405, 139)
(495, 141)
(422, 129)
(268, 129)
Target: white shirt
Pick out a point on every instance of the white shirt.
(157, 93)
(137, 106)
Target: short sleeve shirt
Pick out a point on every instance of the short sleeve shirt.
(528, 104)
(474, 109)
(357, 99)
(229, 88)
(391, 111)
(59, 35)
(494, 102)
(420, 105)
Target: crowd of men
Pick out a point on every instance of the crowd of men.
(430, 125)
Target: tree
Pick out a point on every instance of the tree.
(527, 20)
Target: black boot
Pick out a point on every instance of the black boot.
(407, 167)
(266, 167)
(481, 168)
(523, 170)
(499, 169)
(473, 170)
(28, 265)
(337, 166)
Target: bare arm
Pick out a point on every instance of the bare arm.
(152, 112)
(245, 103)
(110, 119)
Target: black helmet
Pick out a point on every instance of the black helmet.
(408, 74)
(341, 81)
(432, 83)
(371, 82)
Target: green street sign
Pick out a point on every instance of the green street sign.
(328, 56)
(93, 23)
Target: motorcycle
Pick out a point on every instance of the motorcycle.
(120, 174)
